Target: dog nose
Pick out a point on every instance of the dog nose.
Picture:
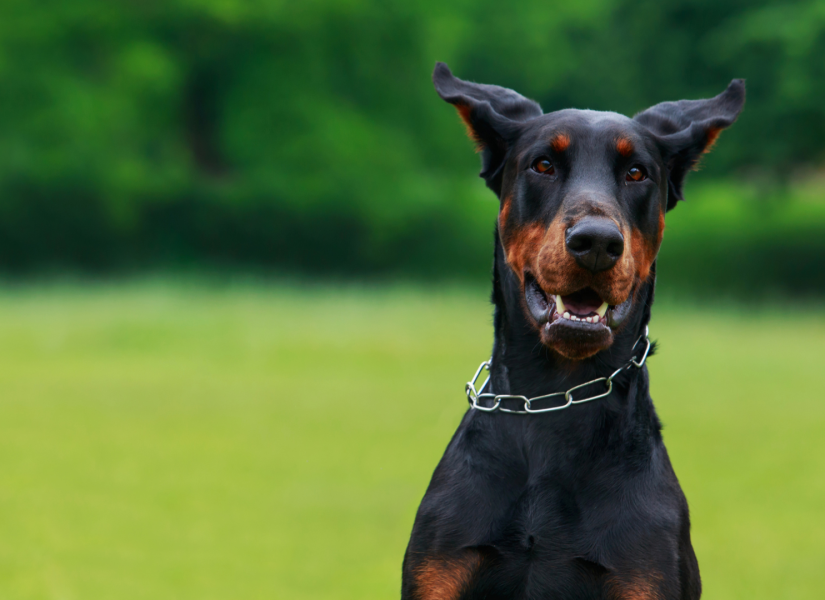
(596, 244)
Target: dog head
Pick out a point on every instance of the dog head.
(583, 198)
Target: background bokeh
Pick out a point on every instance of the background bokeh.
(306, 137)
(244, 260)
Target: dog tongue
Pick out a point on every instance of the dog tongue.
(583, 302)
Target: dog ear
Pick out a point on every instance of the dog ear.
(492, 115)
(688, 128)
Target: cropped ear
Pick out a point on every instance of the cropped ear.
(688, 128)
(492, 115)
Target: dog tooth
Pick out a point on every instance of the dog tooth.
(560, 308)
(602, 310)
(566, 315)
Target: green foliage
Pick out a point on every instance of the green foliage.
(734, 240)
(307, 135)
(180, 442)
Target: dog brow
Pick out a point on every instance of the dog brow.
(560, 142)
(624, 146)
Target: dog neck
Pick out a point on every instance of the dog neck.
(522, 365)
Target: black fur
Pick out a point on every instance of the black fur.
(577, 504)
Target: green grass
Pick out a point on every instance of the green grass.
(185, 441)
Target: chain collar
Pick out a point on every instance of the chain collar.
(475, 396)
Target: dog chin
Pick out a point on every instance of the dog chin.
(576, 341)
(577, 325)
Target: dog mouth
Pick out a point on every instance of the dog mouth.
(584, 309)
(584, 305)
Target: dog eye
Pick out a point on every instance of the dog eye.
(544, 166)
(636, 173)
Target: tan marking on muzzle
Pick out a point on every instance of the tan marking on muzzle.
(504, 214)
(543, 252)
(522, 245)
(644, 250)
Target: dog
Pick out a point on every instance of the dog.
(556, 484)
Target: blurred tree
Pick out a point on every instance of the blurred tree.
(307, 135)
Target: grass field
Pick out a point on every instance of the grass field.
(184, 441)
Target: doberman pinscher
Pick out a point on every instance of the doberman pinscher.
(574, 496)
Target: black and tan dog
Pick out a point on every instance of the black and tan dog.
(579, 503)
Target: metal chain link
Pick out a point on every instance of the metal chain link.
(474, 396)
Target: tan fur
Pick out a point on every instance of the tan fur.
(522, 245)
(641, 252)
(447, 578)
(464, 113)
(710, 140)
(624, 146)
(504, 214)
(553, 266)
(644, 252)
(560, 143)
(636, 587)
(543, 253)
